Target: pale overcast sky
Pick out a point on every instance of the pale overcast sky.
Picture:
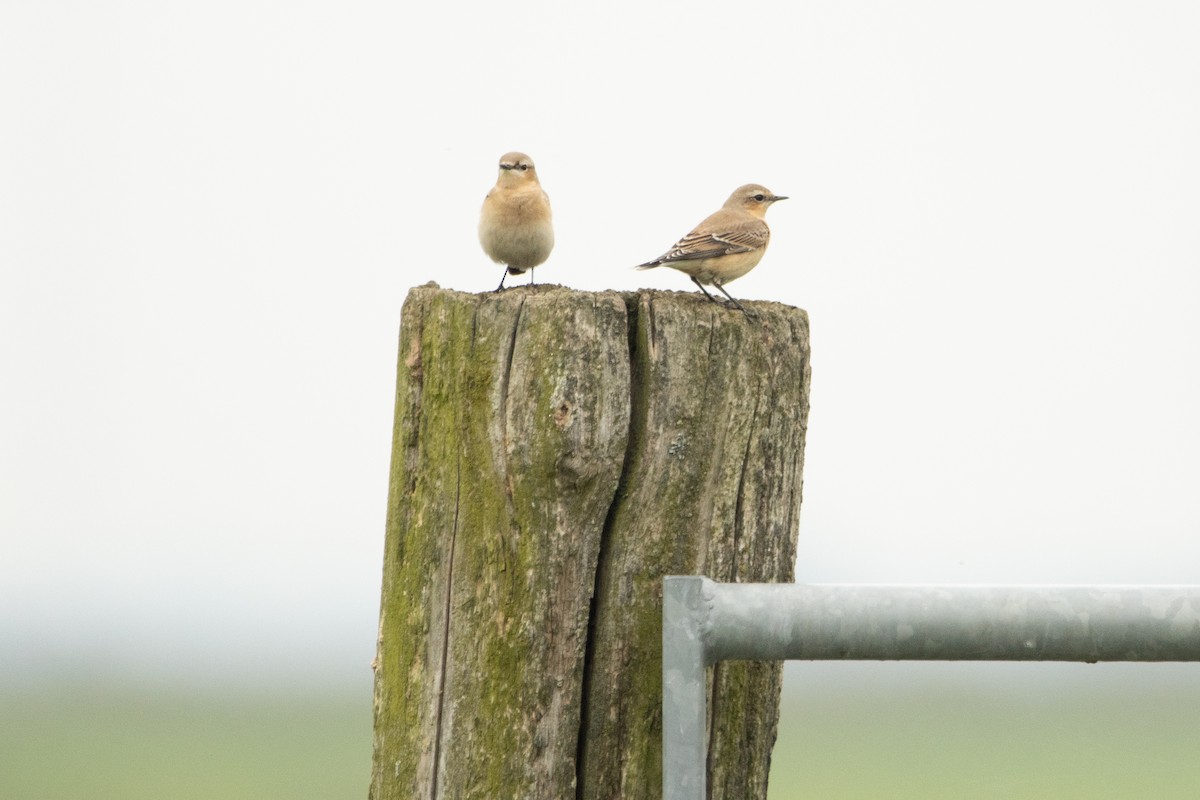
(210, 214)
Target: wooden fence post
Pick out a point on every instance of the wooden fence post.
(555, 453)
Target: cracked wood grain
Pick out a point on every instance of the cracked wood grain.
(555, 453)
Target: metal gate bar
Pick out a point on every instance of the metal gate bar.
(705, 622)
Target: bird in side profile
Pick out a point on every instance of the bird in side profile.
(514, 225)
(727, 244)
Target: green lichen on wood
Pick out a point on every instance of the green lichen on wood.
(421, 508)
(518, 415)
(698, 500)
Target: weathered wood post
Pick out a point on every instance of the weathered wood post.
(555, 453)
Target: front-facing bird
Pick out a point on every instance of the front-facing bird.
(727, 244)
(514, 225)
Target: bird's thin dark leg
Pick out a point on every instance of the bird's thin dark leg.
(503, 275)
(531, 276)
(706, 294)
(735, 302)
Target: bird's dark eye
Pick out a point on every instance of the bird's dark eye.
(523, 167)
(759, 197)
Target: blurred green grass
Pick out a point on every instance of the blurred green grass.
(105, 741)
(1107, 732)
(848, 731)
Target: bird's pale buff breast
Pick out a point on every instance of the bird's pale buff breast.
(515, 228)
(721, 270)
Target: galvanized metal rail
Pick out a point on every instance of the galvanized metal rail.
(705, 622)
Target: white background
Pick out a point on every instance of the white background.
(210, 214)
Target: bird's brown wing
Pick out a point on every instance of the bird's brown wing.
(708, 241)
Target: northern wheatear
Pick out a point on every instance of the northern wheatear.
(727, 244)
(514, 225)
